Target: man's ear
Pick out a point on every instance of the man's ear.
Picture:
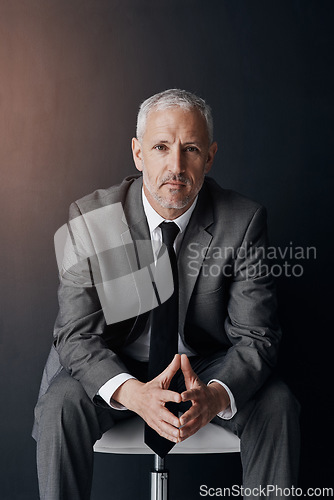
(211, 155)
(137, 154)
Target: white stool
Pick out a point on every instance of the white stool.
(127, 437)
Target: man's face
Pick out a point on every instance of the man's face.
(174, 156)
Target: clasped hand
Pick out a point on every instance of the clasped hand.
(149, 401)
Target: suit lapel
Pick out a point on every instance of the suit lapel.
(196, 241)
(137, 231)
(137, 243)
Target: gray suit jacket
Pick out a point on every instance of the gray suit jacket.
(227, 299)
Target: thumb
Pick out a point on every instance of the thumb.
(171, 370)
(188, 373)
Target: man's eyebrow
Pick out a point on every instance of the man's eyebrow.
(166, 141)
(192, 142)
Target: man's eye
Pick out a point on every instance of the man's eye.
(192, 149)
(160, 147)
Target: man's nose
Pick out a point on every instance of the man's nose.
(176, 163)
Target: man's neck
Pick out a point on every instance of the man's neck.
(166, 213)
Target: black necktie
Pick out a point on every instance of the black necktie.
(164, 337)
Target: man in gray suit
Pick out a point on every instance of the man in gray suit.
(228, 334)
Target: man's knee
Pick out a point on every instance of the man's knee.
(276, 410)
(276, 398)
(273, 410)
(64, 398)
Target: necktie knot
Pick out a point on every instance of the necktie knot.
(169, 232)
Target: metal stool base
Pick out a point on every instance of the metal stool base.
(159, 480)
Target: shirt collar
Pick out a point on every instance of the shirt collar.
(154, 219)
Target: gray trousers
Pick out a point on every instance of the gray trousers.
(69, 423)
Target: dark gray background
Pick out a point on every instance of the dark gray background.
(72, 74)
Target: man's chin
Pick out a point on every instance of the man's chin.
(167, 198)
(172, 203)
(174, 197)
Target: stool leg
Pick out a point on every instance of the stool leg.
(159, 480)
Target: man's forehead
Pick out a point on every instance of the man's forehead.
(163, 123)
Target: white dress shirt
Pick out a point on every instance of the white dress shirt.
(139, 349)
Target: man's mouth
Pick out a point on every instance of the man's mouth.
(173, 183)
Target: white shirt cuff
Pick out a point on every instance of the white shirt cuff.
(107, 390)
(231, 410)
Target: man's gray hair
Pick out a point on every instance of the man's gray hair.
(169, 99)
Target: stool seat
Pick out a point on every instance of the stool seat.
(127, 437)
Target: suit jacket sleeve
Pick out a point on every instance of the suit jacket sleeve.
(251, 324)
(80, 329)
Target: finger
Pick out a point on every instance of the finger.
(165, 430)
(169, 417)
(190, 429)
(193, 412)
(189, 395)
(167, 396)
